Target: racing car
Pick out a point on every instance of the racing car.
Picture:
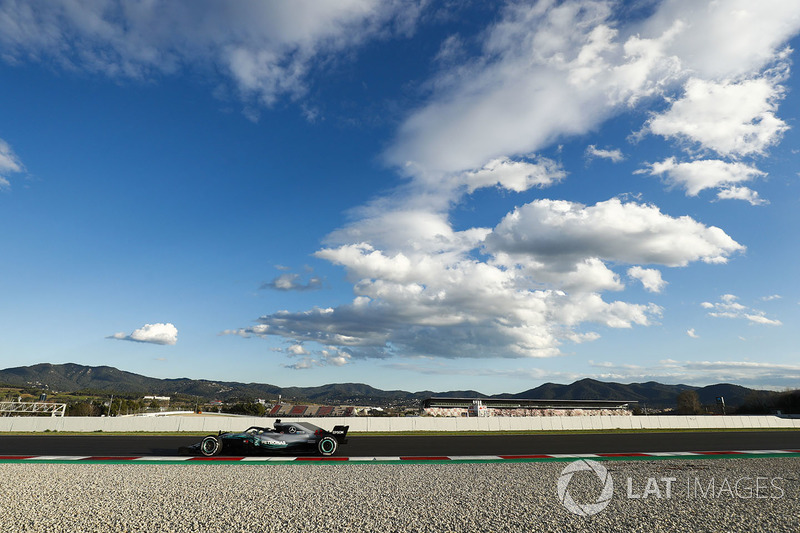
(294, 437)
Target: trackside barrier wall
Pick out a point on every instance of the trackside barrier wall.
(212, 424)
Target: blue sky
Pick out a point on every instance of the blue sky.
(405, 194)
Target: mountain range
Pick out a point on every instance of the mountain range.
(72, 377)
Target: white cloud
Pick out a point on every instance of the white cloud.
(743, 365)
(614, 155)
(650, 278)
(451, 50)
(152, 334)
(729, 307)
(748, 373)
(439, 367)
(244, 334)
(547, 70)
(266, 48)
(296, 349)
(587, 275)
(532, 326)
(516, 176)
(759, 318)
(741, 193)
(9, 164)
(696, 176)
(307, 359)
(691, 332)
(303, 364)
(538, 289)
(557, 231)
(725, 40)
(292, 282)
(553, 70)
(336, 358)
(731, 118)
(327, 358)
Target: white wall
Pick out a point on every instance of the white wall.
(212, 424)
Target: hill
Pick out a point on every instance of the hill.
(651, 393)
(72, 377)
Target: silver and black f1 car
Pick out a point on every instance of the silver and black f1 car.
(290, 437)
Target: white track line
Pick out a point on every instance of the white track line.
(398, 459)
(58, 458)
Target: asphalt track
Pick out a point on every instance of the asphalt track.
(425, 445)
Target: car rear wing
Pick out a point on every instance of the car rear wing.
(340, 433)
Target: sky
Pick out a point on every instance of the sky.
(414, 195)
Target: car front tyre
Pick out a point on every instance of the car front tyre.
(327, 446)
(211, 446)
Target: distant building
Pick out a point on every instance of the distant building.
(438, 406)
(158, 398)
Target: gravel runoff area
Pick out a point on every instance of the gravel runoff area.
(761, 494)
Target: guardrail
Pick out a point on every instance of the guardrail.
(212, 424)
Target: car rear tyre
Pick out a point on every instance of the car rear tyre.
(211, 446)
(327, 446)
